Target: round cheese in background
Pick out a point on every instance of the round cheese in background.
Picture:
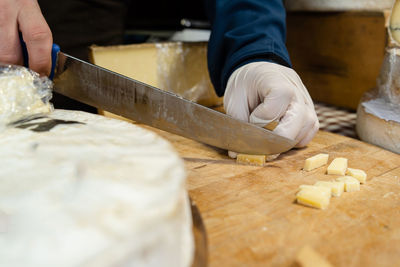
(79, 189)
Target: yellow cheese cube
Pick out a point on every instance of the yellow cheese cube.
(258, 160)
(323, 189)
(351, 184)
(308, 257)
(313, 197)
(315, 162)
(360, 175)
(338, 166)
(336, 188)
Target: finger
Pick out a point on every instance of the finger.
(10, 48)
(37, 36)
(235, 91)
(309, 121)
(292, 122)
(275, 102)
(309, 136)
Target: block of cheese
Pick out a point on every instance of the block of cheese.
(313, 196)
(336, 187)
(79, 189)
(338, 166)
(360, 175)
(257, 160)
(351, 184)
(315, 162)
(178, 67)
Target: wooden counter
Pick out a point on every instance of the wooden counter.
(251, 218)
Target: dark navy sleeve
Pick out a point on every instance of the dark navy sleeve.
(244, 31)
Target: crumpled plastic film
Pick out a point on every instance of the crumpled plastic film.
(388, 83)
(23, 94)
(182, 69)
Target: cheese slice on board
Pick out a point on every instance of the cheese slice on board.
(336, 187)
(338, 166)
(360, 175)
(313, 196)
(351, 184)
(315, 161)
(79, 189)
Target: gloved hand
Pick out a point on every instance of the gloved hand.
(25, 16)
(263, 92)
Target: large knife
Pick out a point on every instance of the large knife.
(110, 91)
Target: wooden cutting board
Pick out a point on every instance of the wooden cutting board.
(251, 218)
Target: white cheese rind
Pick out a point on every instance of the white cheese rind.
(99, 193)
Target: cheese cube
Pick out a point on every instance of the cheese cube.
(351, 184)
(336, 188)
(308, 257)
(315, 162)
(258, 160)
(338, 166)
(313, 197)
(323, 189)
(360, 175)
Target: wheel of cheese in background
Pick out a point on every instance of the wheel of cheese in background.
(376, 129)
(79, 189)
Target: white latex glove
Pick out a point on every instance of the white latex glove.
(263, 92)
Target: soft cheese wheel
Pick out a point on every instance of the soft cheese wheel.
(78, 189)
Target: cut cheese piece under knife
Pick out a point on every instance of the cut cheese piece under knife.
(351, 184)
(315, 162)
(336, 187)
(258, 160)
(338, 166)
(313, 196)
(360, 175)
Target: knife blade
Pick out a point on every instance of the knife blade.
(110, 91)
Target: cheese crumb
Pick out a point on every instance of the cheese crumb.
(338, 166)
(351, 184)
(360, 175)
(315, 162)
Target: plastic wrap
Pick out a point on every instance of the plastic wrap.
(23, 94)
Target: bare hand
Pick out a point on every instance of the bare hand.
(26, 17)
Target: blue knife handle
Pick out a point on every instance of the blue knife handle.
(54, 53)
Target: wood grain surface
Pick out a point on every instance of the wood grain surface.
(251, 218)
